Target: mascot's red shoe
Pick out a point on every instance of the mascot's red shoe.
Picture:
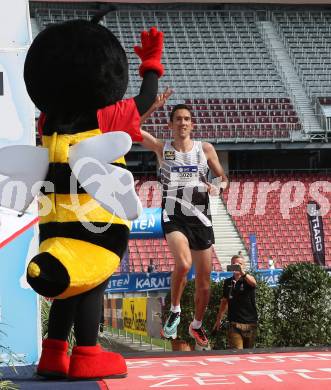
(54, 361)
(95, 363)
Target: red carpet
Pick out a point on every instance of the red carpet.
(272, 371)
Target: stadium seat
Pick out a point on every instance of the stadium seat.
(285, 240)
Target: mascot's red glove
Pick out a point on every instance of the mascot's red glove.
(150, 51)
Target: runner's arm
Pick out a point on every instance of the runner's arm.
(151, 143)
(222, 310)
(214, 164)
(159, 101)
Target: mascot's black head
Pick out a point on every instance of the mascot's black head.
(75, 66)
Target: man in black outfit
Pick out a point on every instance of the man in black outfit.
(239, 301)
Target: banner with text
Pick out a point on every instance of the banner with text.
(148, 225)
(253, 255)
(124, 265)
(134, 313)
(19, 313)
(316, 232)
(154, 314)
(139, 282)
(158, 281)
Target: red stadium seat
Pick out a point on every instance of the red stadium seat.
(286, 240)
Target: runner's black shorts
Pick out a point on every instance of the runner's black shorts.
(200, 237)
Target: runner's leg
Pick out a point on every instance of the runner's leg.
(203, 265)
(179, 247)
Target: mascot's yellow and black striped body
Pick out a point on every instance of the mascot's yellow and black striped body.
(73, 258)
(77, 74)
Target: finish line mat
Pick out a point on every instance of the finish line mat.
(294, 371)
(267, 371)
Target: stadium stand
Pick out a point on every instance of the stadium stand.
(233, 118)
(207, 52)
(216, 58)
(141, 251)
(283, 237)
(220, 64)
(307, 36)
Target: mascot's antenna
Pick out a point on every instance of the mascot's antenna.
(99, 15)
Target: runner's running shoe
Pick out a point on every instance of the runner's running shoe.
(170, 327)
(199, 335)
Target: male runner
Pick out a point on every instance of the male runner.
(186, 219)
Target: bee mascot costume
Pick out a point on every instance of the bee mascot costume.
(76, 73)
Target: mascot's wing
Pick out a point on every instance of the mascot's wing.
(112, 186)
(23, 169)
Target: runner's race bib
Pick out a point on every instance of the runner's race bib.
(185, 174)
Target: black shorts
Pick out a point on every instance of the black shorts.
(200, 237)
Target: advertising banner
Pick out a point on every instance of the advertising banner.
(118, 313)
(269, 276)
(148, 225)
(154, 320)
(135, 315)
(19, 314)
(316, 230)
(124, 266)
(139, 282)
(113, 316)
(106, 311)
(160, 281)
(19, 319)
(253, 255)
(113, 312)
